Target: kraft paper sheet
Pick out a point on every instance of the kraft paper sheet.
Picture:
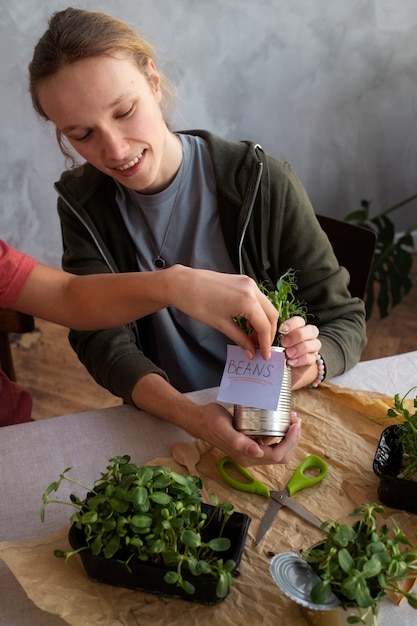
(336, 426)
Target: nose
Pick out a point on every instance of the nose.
(114, 146)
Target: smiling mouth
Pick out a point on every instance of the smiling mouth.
(131, 163)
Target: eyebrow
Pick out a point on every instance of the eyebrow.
(112, 104)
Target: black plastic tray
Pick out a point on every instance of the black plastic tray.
(150, 578)
(397, 493)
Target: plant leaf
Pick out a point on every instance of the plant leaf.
(345, 560)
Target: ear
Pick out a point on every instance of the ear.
(154, 79)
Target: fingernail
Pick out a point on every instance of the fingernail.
(283, 328)
(249, 354)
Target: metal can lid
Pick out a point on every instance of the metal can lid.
(295, 577)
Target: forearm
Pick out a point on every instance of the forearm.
(92, 301)
(158, 397)
(96, 301)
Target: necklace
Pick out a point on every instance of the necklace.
(159, 261)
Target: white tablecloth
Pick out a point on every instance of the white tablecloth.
(390, 375)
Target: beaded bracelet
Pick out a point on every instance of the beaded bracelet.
(321, 372)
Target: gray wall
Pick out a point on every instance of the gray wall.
(329, 86)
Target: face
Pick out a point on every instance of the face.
(109, 111)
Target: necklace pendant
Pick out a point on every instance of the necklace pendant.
(159, 263)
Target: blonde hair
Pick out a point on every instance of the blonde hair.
(76, 34)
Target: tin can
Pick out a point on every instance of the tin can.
(275, 423)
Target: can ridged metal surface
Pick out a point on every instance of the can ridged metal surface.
(275, 423)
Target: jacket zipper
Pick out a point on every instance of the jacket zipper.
(247, 207)
(91, 230)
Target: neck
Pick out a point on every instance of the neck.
(173, 157)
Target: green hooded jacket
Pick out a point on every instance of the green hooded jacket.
(269, 226)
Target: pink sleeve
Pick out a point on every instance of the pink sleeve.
(15, 268)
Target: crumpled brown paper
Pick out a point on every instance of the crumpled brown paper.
(336, 426)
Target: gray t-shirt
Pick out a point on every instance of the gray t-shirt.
(183, 221)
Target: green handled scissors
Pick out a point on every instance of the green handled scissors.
(299, 480)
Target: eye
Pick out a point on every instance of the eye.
(126, 113)
(81, 138)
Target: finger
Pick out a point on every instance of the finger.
(283, 451)
(292, 324)
(267, 332)
(299, 334)
(239, 337)
(303, 354)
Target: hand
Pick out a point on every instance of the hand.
(301, 344)
(212, 423)
(216, 299)
(217, 429)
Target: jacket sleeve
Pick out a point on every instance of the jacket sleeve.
(295, 239)
(112, 356)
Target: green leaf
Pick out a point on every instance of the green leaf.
(157, 546)
(89, 518)
(372, 567)
(220, 544)
(350, 586)
(121, 506)
(190, 539)
(111, 547)
(203, 567)
(363, 597)
(188, 587)
(97, 545)
(193, 566)
(171, 557)
(345, 560)
(138, 496)
(160, 497)
(144, 476)
(171, 578)
(61, 554)
(229, 566)
(136, 542)
(223, 585)
(412, 599)
(320, 592)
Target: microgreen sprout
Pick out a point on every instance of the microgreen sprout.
(152, 514)
(361, 563)
(284, 300)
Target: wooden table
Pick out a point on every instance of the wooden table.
(33, 454)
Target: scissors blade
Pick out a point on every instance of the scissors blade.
(278, 500)
(269, 517)
(285, 500)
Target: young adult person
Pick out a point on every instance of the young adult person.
(147, 197)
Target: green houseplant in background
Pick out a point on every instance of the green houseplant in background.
(362, 563)
(390, 277)
(147, 528)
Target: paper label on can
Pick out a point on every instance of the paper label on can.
(252, 382)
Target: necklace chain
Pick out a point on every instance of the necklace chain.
(159, 261)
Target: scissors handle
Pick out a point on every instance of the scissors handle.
(299, 480)
(252, 486)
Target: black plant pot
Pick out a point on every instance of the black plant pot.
(150, 577)
(397, 493)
